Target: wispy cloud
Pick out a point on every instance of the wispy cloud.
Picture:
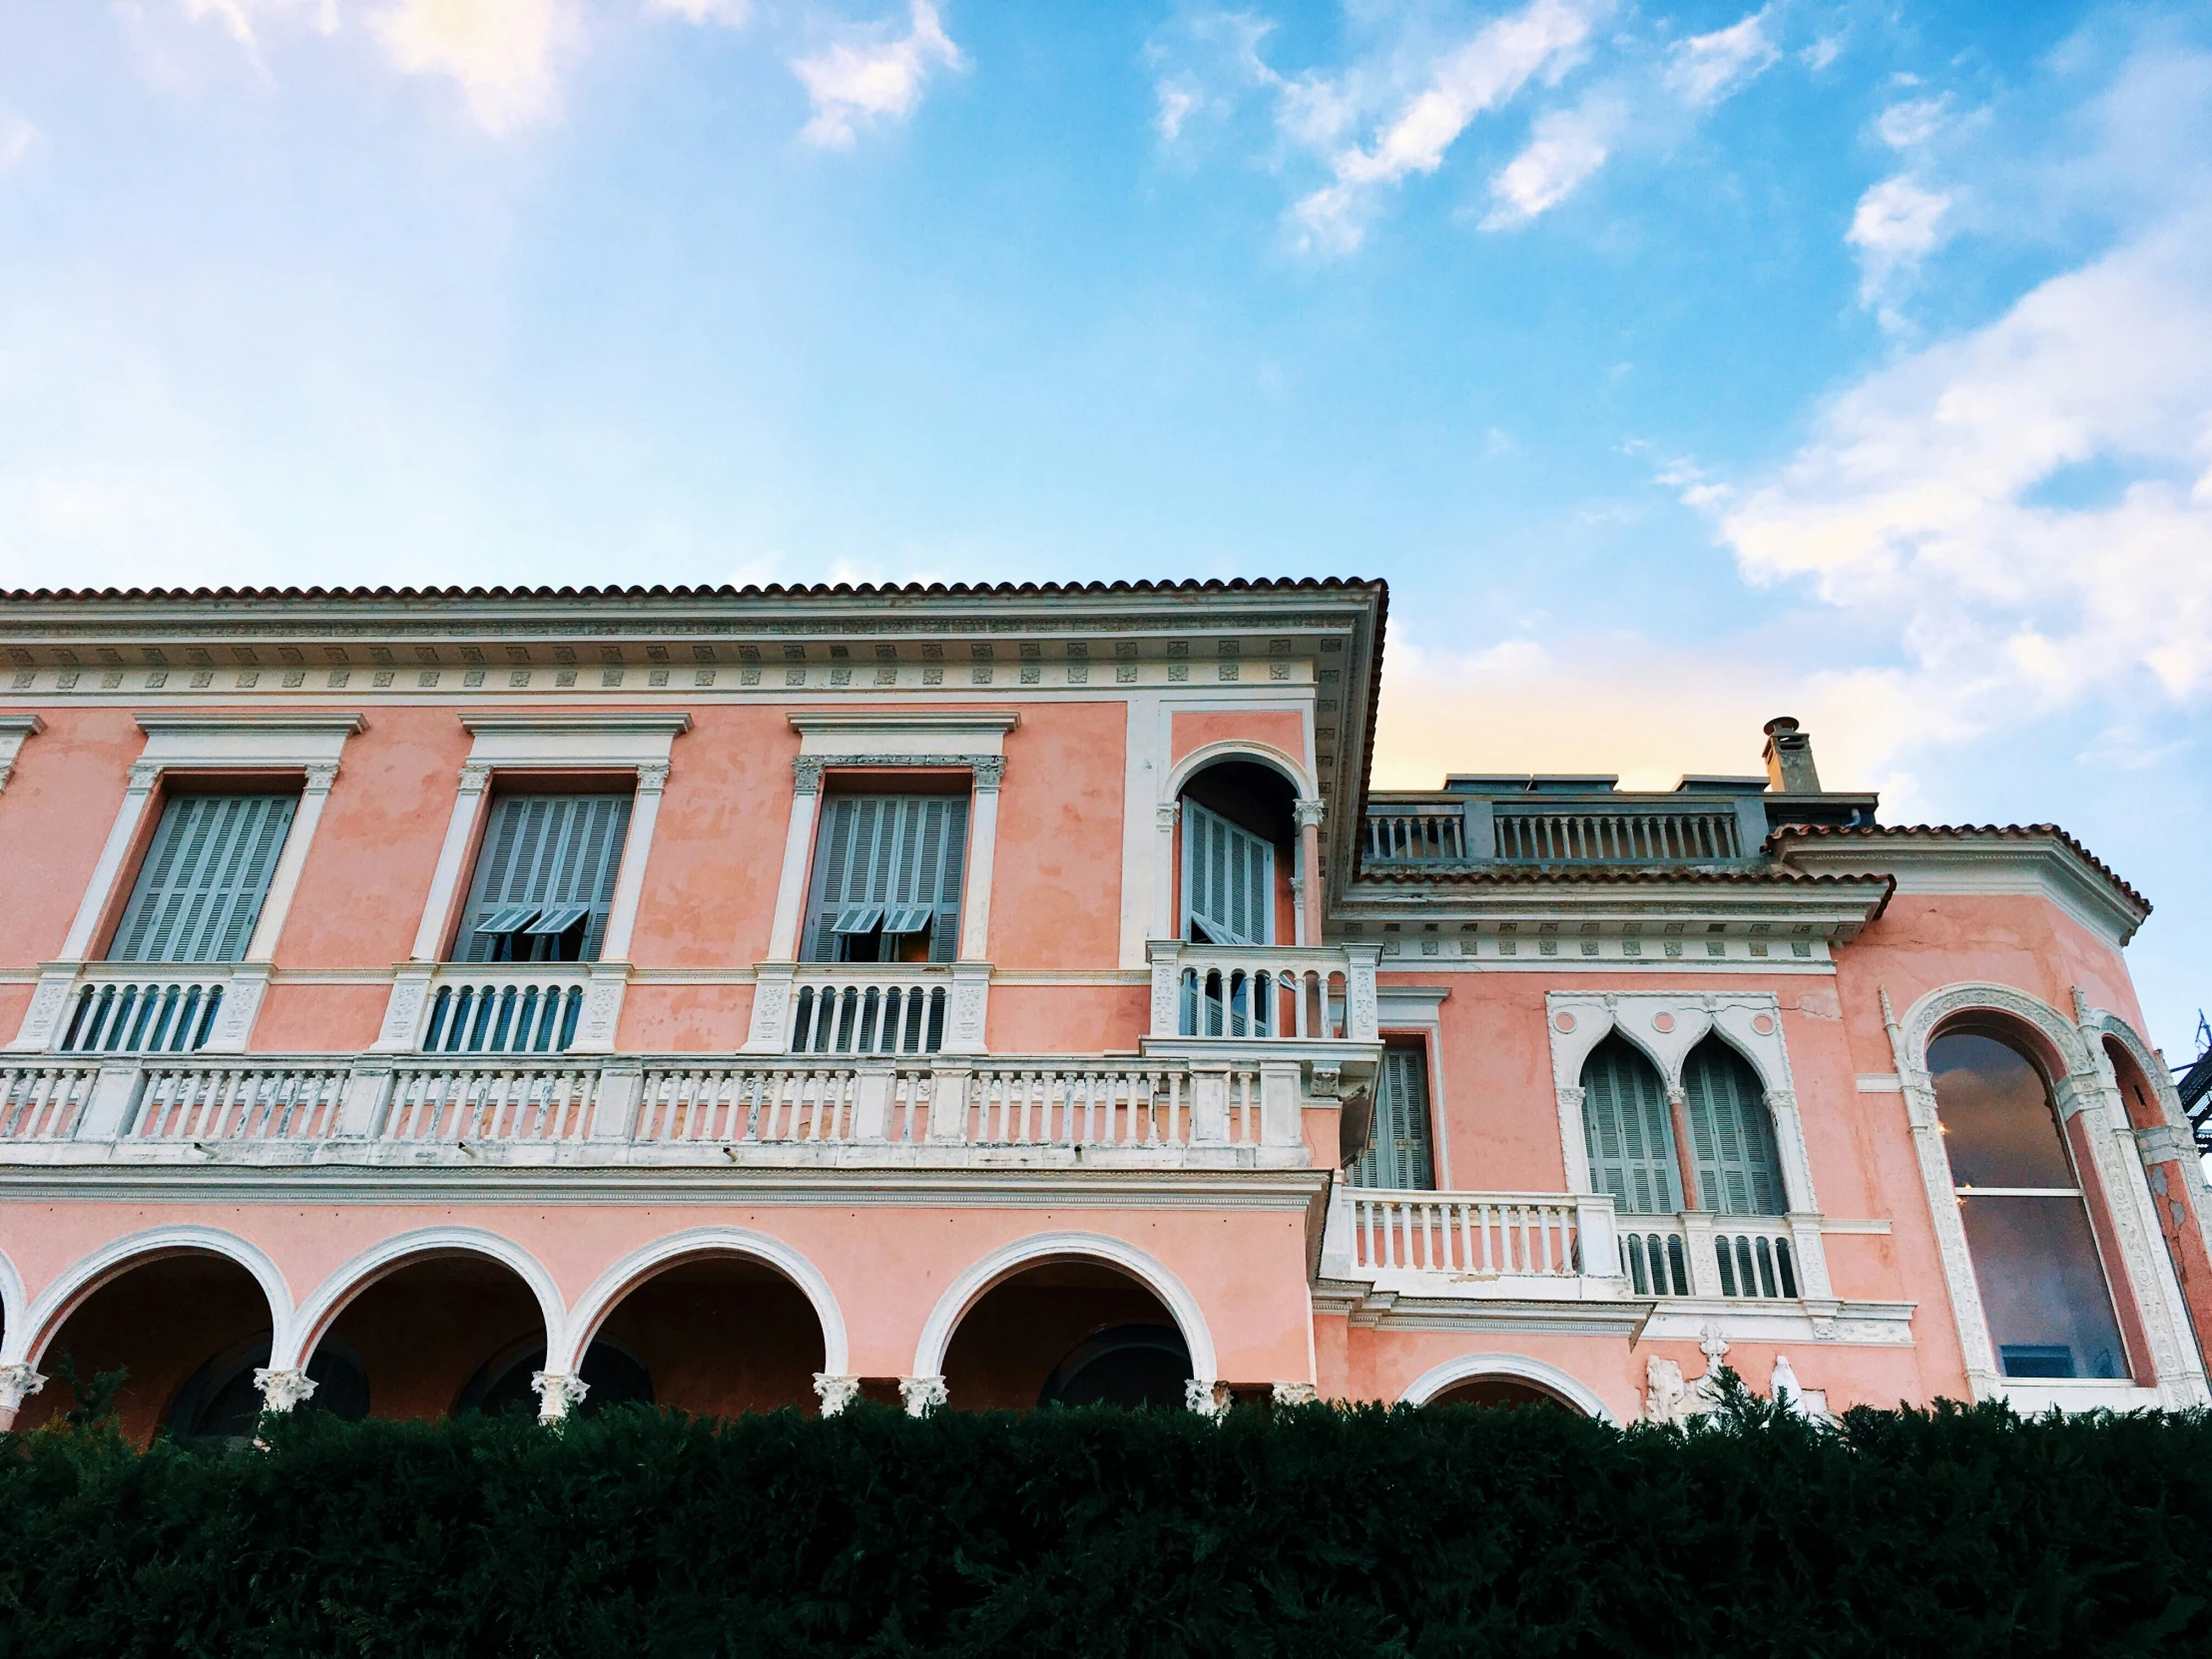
(731, 14)
(1482, 74)
(1566, 147)
(1708, 68)
(18, 138)
(873, 75)
(1203, 64)
(504, 55)
(1896, 225)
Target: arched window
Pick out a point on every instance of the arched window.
(1731, 1134)
(2043, 1289)
(1627, 1126)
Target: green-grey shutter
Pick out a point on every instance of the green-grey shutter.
(1397, 1153)
(1731, 1134)
(888, 859)
(1627, 1129)
(206, 870)
(1228, 878)
(544, 857)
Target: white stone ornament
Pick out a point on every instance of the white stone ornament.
(1295, 1393)
(921, 1394)
(1206, 1397)
(284, 1390)
(834, 1391)
(18, 1381)
(1666, 1395)
(557, 1395)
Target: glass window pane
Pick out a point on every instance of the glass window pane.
(1999, 1127)
(2042, 1288)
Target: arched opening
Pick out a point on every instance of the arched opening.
(1067, 1333)
(164, 1323)
(220, 1403)
(2043, 1289)
(1505, 1391)
(717, 1334)
(1238, 853)
(1732, 1147)
(429, 1331)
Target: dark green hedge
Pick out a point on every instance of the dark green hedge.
(1314, 1531)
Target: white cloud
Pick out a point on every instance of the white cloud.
(1822, 53)
(505, 55)
(1708, 68)
(874, 76)
(1566, 149)
(1480, 74)
(1934, 496)
(1204, 64)
(1910, 124)
(731, 14)
(1896, 226)
(18, 138)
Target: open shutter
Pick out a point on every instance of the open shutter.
(1228, 879)
(888, 866)
(546, 872)
(206, 874)
(1739, 1172)
(1397, 1153)
(1628, 1132)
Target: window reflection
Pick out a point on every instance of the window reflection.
(2043, 1289)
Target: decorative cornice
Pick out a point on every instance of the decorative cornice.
(903, 720)
(276, 720)
(674, 724)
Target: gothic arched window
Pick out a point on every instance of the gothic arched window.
(1627, 1129)
(1731, 1134)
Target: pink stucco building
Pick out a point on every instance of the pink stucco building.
(423, 1000)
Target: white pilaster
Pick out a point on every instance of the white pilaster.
(101, 889)
(460, 831)
(798, 841)
(637, 848)
(975, 900)
(284, 880)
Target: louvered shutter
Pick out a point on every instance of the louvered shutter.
(1228, 879)
(888, 866)
(1627, 1129)
(548, 862)
(206, 870)
(1397, 1153)
(1731, 1134)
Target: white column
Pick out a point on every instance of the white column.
(144, 774)
(798, 840)
(1309, 873)
(975, 900)
(1163, 872)
(285, 882)
(637, 847)
(460, 829)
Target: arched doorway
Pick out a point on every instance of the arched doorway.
(165, 1322)
(719, 1335)
(437, 1334)
(1067, 1333)
(2044, 1294)
(1239, 850)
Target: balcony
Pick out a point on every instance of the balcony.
(1569, 822)
(710, 1111)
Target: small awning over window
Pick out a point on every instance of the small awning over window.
(558, 918)
(857, 918)
(906, 918)
(513, 919)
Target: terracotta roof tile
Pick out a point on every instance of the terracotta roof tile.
(1962, 831)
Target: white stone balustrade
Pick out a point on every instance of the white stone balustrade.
(1263, 992)
(1477, 1235)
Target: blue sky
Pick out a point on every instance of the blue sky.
(1677, 366)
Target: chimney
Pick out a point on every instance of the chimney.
(1789, 757)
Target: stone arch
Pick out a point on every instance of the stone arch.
(2048, 1037)
(1293, 772)
(699, 1244)
(14, 1313)
(404, 1249)
(1518, 1367)
(27, 1339)
(1004, 1263)
(2112, 1029)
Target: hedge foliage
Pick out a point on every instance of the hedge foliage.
(1313, 1531)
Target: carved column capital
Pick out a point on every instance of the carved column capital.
(1295, 1393)
(282, 1390)
(652, 777)
(17, 1383)
(807, 773)
(834, 1391)
(921, 1394)
(321, 776)
(475, 778)
(144, 775)
(1206, 1397)
(1166, 812)
(557, 1394)
(1311, 813)
(990, 771)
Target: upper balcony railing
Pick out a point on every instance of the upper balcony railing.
(1557, 827)
(1278, 993)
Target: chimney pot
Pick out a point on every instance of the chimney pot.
(1789, 757)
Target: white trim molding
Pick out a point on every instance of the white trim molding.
(1516, 1367)
(2027, 863)
(298, 1336)
(15, 729)
(969, 1289)
(702, 1244)
(2085, 1087)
